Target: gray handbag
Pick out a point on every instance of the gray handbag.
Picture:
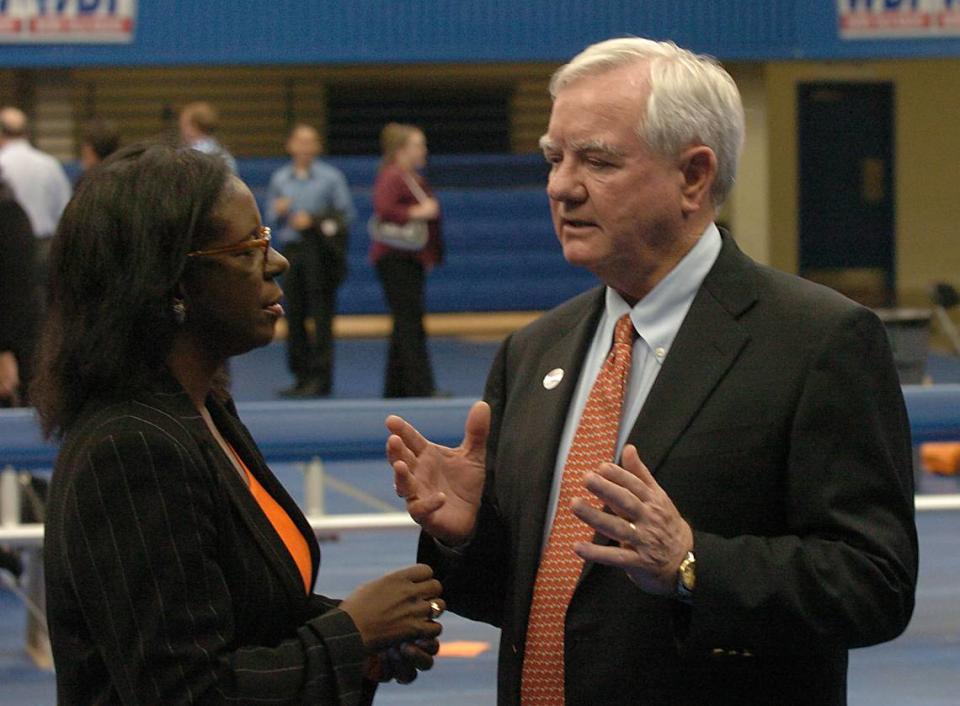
(410, 236)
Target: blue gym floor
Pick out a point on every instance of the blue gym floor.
(921, 667)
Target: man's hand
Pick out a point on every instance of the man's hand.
(9, 377)
(653, 537)
(301, 220)
(442, 486)
(281, 206)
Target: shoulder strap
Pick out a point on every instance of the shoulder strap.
(418, 192)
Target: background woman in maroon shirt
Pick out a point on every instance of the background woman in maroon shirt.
(403, 272)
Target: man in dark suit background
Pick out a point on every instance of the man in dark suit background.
(760, 521)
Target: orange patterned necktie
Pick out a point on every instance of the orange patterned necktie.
(595, 442)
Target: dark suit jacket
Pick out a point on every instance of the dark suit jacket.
(19, 298)
(778, 428)
(166, 583)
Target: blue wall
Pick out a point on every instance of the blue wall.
(403, 31)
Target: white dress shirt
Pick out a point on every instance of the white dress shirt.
(657, 319)
(38, 182)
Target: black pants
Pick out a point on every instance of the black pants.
(408, 364)
(310, 287)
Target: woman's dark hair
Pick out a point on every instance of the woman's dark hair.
(116, 259)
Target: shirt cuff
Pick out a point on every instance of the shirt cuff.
(452, 552)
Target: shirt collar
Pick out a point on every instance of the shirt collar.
(16, 143)
(311, 171)
(658, 316)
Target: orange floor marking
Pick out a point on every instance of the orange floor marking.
(463, 649)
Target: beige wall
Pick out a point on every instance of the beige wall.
(927, 154)
(748, 207)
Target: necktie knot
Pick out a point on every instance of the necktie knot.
(624, 333)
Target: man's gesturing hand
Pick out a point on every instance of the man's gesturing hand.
(653, 537)
(442, 486)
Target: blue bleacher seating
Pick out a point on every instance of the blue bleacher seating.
(501, 251)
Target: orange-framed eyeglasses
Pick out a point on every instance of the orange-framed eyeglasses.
(262, 242)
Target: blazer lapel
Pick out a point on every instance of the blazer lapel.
(271, 545)
(272, 484)
(171, 397)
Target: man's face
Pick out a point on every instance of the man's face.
(615, 204)
(88, 156)
(304, 144)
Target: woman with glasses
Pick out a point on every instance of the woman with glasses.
(178, 569)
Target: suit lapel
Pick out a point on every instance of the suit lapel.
(548, 408)
(546, 413)
(697, 362)
(707, 344)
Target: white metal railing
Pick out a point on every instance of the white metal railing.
(29, 537)
(15, 534)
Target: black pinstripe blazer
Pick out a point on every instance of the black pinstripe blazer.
(166, 583)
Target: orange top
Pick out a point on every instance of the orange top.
(292, 538)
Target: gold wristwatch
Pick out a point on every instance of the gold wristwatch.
(687, 578)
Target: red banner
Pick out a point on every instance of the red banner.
(67, 21)
(892, 19)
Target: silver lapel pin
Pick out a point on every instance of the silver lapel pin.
(553, 378)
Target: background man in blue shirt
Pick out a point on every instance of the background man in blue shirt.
(310, 209)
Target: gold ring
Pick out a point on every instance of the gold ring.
(633, 527)
(435, 610)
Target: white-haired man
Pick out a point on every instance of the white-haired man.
(759, 522)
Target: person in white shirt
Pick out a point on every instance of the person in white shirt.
(37, 178)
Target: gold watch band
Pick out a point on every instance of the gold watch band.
(687, 577)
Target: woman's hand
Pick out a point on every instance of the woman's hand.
(396, 608)
(402, 662)
(425, 210)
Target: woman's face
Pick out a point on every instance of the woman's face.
(414, 150)
(232, 299)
